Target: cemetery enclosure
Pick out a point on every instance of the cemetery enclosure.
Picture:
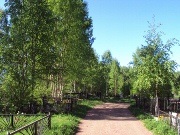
(24, 123)
(164, 104)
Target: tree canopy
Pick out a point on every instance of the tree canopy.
(45, 45)
(152, 63)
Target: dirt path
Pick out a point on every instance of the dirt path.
(111, 119)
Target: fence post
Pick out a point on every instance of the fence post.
(177, 121)
(12, 120)
(49, 120)
(164, 104)
(71, 104)
(178, 126)
(35, 128)
(170, 116)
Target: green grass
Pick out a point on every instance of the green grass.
(67, 124)
(18, 121)
(63, 124)
(157, 127)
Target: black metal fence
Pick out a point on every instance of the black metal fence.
(38, 127)
(164, 104)
(10, 122)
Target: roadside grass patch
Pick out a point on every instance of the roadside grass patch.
(67, 124)
(159, 127)
(63, 124)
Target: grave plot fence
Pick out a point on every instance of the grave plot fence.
(38, 127)
(10, 122)
(165, 104)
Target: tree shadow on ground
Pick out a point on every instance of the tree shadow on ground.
(80, 111)
(110, 113)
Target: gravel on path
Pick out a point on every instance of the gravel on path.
(111, 119)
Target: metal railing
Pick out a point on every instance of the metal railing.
(38, 127)
(15, 121)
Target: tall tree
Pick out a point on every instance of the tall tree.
(114, 77)
(26, 50)
(74, 39)
(176, 88)
(153, 65)
(126, 80)
(106, 61)
(107, 57)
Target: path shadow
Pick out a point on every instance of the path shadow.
(108, 113)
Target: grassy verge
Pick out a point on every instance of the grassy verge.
(66, 124)
(157, 127)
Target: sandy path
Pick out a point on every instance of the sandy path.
(111, 119)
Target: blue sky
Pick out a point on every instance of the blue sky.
(119, 25)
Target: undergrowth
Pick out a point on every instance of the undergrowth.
(159, 127)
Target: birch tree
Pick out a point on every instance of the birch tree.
(153, 65)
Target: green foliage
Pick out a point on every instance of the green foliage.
(107, 57)
(26, 48)
(114, 77)
(63, 124)
(157, 127)
(41, 90)
(99, 78)
(73, 39)
(126, 80)
(139, 113)
(176, 86)
(152, 63)
(45, 45)
(66, 124)
(150, 123)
